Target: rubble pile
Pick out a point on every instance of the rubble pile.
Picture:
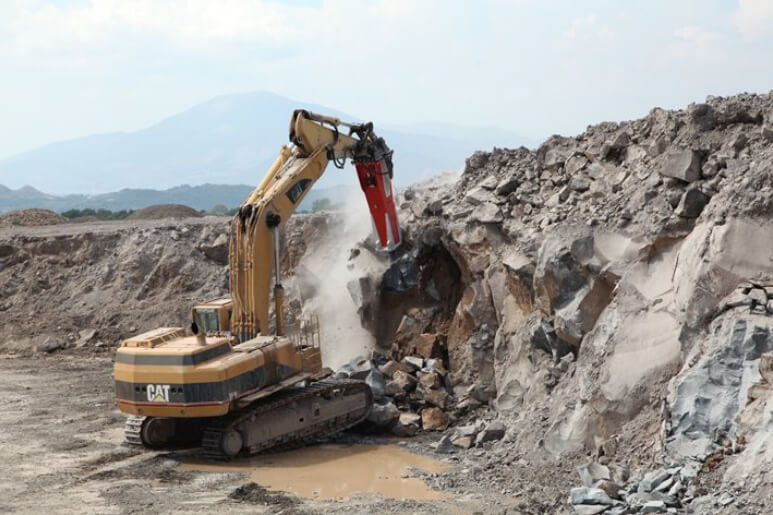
(31, 218)
(603, 295)
(88, 286)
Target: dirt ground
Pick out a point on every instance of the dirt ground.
(62, 450)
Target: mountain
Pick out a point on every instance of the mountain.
(228, 140)
(204, 196)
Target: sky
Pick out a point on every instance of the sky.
(71, 68)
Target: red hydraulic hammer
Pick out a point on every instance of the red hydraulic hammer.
(376, 182)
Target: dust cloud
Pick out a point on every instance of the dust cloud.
(342, 334)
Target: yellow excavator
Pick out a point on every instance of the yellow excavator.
(231, 385)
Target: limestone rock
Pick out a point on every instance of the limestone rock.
(692, 203)
(492, 432)
(408, 424)
(684, 165)
(434, 419)
(384, 416)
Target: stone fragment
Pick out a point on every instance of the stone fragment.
(444, 445)
(653, 507)
(360, 368)
(412, 361)
(592, 472)
(611, 488)
(434, 419)
(391, 366)
(507, 185)
(50, 345)
(408, 424)
(429, 379)
(593, 496)
(465, 442)
(376, 380)
(216, 250)
(692, 203)
(438, 397)
(487, 213)
(401, 383)
(684, 165)
(479, 195)
(489, 183)
(384, 416)
(575, 163)
(492, 432)
(758, 296)
(580, 184)
(652, 480)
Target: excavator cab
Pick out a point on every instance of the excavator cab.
(213, 317)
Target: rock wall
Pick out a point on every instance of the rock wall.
(588, 298)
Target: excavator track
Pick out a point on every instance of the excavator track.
(132, 429)
(320, 409)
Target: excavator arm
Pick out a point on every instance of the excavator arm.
(254, 243)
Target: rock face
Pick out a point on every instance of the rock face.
(604, 288)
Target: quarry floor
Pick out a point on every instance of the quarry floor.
(62, 450)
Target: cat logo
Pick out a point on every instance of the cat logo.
(158, 392)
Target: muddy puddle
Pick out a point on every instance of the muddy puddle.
(327, 472)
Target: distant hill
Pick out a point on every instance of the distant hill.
(204, 196)
(228, 140)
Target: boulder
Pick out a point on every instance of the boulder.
(216, 250)
(408, 424)
(507, 185)
(434, 419)
(51, 344)
(580, 184)
(383, 416)
(684, 165)
(392, 366)
(493, 431)
(429, 379)
(691, 203)
(610, 488)
(593, 472)
(479, 195)
(465, 442)
(376, 380)
(401, 383)
(360, 368)
(444, 445)
(414, 362)
(593, 496)
(653, 479)
(487, 213)
(437, 397)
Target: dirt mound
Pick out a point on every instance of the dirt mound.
(165, 211)
(31, 217)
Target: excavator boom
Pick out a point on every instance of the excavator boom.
(317, 140)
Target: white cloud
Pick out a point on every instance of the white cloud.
(587, 27)
(695, 35)
(754, 18)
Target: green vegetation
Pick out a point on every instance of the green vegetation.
(99, 214)
(323, 204)
(15, 221)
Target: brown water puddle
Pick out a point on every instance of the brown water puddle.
(338, 472)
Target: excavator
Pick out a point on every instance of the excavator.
(233, 385)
